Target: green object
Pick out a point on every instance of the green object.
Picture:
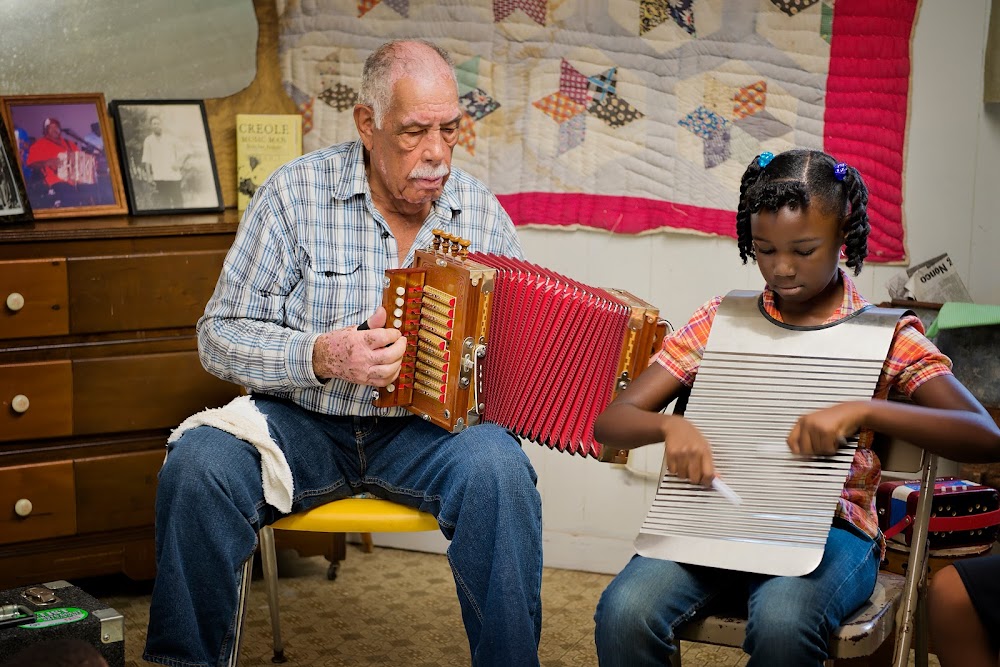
(57, 616)
(956, 315)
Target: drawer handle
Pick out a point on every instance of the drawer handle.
(23, 507)
(15, 301)
(20, 403)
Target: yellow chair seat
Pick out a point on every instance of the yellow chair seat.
(359, 515)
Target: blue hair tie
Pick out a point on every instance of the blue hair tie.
(764, 159)
(840, 170)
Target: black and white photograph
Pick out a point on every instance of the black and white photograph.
(69, 170)
(167, 156)
(14, 206)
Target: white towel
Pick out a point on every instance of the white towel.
(241, 418)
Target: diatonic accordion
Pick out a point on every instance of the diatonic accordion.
(500, 340)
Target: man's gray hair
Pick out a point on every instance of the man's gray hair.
(377, 81)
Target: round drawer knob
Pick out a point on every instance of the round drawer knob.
(15, 301)
(20, 403)
(23, 507)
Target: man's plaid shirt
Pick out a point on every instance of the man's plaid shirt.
(309, 257)
(912, 360)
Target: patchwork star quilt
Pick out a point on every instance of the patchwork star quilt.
(634, 116)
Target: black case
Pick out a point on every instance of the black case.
(71, 614)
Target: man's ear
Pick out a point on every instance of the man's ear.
(364, 119)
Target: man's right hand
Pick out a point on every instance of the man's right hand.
(370, 357)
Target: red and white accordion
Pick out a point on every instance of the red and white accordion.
(963, 513)
(501, 340)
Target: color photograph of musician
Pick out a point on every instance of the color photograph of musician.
(62, 168)
(168, 157)
(304, 271)
(800, 213)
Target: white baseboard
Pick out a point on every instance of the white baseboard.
(564, 551)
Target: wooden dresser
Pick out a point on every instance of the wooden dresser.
(98, 360)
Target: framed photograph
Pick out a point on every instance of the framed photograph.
(66, 154)
(167, 156)
(14, 205)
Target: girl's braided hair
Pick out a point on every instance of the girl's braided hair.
(799, 177)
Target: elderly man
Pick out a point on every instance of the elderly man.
(304, 271)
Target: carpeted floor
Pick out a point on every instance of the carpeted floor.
(390, 608)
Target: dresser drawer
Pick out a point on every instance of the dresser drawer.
(136, 292)
(37, 502)
(33, 298)
(143, 391)
(118, 491)
(36, 400)
(106, 395)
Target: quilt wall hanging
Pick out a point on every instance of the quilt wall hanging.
(632, 116)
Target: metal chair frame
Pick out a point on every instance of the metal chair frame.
(349, 515)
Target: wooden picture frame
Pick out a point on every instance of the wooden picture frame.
(14, 204)
(167, 156)
(70, 167)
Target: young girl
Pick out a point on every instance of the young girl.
(799, 212)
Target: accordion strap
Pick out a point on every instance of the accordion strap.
(948, 524)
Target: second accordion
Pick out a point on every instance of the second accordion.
(500, 340)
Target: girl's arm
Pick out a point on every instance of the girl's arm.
(634, 419)
(945, 419)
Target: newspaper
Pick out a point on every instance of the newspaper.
(933, 281)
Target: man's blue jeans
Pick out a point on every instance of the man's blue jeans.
(789, 618)
(478, 483)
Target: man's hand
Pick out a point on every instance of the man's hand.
(370, 357)
(820, 433)
(688, 454)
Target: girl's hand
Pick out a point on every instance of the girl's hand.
(688, 454)
(820, 433)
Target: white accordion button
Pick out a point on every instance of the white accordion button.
(399, 301)
(398, 312)
(397, 323)
(391, 388)
(400, 290)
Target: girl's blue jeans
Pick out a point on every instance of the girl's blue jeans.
(478, 483)
(789, 619)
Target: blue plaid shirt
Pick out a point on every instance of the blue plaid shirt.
(309, 257)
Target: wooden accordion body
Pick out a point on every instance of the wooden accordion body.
(500, 340)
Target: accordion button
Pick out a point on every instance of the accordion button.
(397, 323)
(398, 312)
(400, 291)
(399, 301)
(23, 507)
(391, 388)
(20, 404)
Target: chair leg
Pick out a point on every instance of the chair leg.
(367, 545)
(269, 560)
(675, 657)
(241, 610)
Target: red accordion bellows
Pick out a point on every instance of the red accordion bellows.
(552, 362)
(501, 340)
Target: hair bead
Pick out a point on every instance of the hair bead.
(764, 159)
(840, 170)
